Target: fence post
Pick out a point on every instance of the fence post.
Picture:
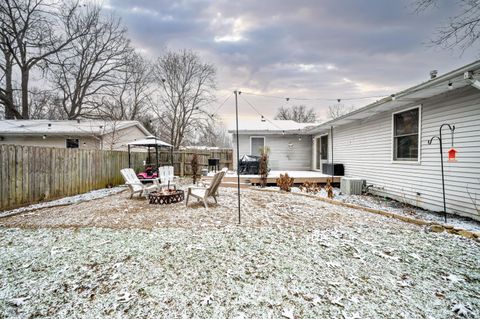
(29, 174)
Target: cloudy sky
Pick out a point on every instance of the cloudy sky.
(324, 49)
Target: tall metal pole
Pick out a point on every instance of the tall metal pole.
(129, 158)
(452, 129)
(156, 158)
(443, 175)
(238, 156)
(333, 164)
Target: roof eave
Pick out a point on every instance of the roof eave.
(475, 66)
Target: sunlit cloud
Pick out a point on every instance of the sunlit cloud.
(232, 29)
(326, 50)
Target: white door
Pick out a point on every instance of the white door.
(320, 152)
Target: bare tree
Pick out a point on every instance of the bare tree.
(186, 88)
(297, 113)
(6, 78)
(339, 109)
(91, 64)
(212, 132)
(44, 104)
(463, 30)
(31, 31)
(130, 98)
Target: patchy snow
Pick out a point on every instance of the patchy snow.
(292, 256)
(396, 207)
(95, 194)
(352, 271)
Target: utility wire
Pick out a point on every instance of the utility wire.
(341, 99)
(263, 117)
(222, 104)
(312, 99)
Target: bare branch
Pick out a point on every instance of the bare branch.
(89, 68)
(462, 31)
(339, 109)
(186, 89)
(297, 113)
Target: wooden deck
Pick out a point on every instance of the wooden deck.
(299, 177)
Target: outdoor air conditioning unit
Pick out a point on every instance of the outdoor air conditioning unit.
(351, 186)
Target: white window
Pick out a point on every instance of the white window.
(406, 135)
(257, 143)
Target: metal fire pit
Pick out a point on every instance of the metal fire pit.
(167, 197)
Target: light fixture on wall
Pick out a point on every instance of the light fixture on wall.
(393, 97)
(450, 85)
(299, 138)
(44, 137)
(283, 132)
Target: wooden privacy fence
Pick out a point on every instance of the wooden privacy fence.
(32, 174)
(182, 159)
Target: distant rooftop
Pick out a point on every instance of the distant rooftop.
(272, 126)
(67, 127)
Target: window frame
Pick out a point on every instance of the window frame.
(252, 137)
(419, 134)
(66, 143)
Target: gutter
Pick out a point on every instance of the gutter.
(475, 66)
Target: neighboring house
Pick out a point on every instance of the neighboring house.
(386, 143)
(289, 148)
(86, 134)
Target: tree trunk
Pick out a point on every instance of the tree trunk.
(10, 110)
(25, 75)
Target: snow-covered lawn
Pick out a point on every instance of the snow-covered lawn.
(95, 194)
(292, 256)
(396, 207)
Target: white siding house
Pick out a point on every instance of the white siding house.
(364, 141)
(386, 143)
(86, 134)
(290, 148)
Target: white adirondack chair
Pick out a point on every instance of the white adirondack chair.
(165, 173)
(135, 185)
(208, 190)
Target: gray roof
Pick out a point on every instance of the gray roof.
(67, 127)
(270, 126)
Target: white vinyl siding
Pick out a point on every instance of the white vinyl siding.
(365, 149)
(282, 156)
